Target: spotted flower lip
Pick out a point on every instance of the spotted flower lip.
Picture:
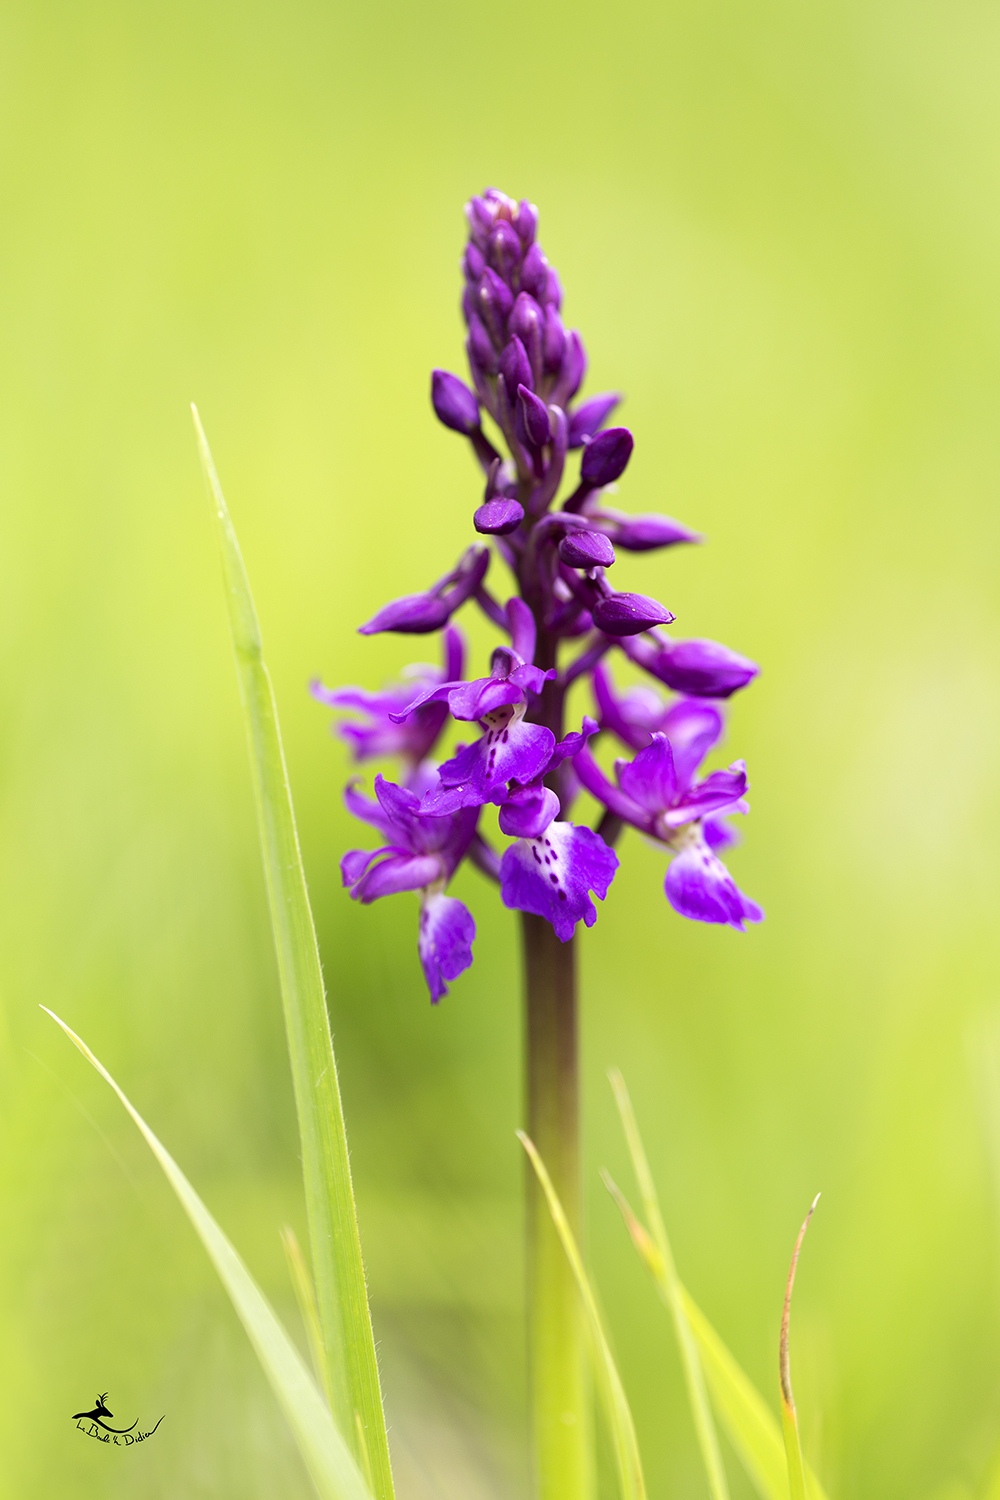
(553, 875)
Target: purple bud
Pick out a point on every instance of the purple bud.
(528, 812)
(535, 273)
(526, 222)
(553, 341)
(642, 533)
(495, 301)
(606, 457)
(571, 372)
(474, 263)
(532, 419)
(481, 346)
(453, 402)
(503, 250)
(704, 669)
(414, 614)
(527, 322)
(587, 549)
(591, 416)
(629, 614)
(514, 368)
(553, 289)
(498, 517)
(480, 220)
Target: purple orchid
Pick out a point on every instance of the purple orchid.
(421, 853)
(564, 619)
(658, 794)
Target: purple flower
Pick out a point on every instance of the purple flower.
(412, 741)
(454, 404)
(420, 854)
(590, 416)
(639, 533)
(657, 794)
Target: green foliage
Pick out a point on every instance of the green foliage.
(348, 1344)
(619, 1416)
(327, 1456)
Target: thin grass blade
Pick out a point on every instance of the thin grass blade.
(305, 1296)
(327, 1456)
(619, 1414)
(665, 1275)
(341, 1296)
(789, 1417)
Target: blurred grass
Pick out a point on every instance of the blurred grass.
(778, 232)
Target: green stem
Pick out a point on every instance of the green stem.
(558, 1385)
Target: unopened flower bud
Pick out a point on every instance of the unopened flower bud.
(474, 263)
(642, 533)
(704, 669)
(480, 347)
(586, 549)
(503, 250)
(526, 222)
(499, 516)
(629, 614)
(514, 368)
(480, 221)
(495, 301)
(590, 417)
(606, 457)
(414, 614)
(532, 419)
(553, 341)
(535, 273)
(454, 404)
(527, 322)
(571, 371)
(553, 289)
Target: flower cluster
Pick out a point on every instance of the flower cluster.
(527, 369)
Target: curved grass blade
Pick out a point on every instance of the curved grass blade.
(327, 1457)
(660, 1260)
(619, 1415)
(789, 1417)
(341, 1295)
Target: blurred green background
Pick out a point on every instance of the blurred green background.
(778, 228)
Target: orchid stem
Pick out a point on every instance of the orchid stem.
(559, 1388)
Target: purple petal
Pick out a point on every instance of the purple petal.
(722, 789)
(528, 811)
(602, 790)
(395, 801)
(474, 700)
(510, 750)
(514, 368)
(444, 942)
(650, 780)
(400, 872)
(606, 457)
(521, 624)
(590, 417)
(693, 726)
(367, 810)
(699, 886)
(356, 861)
(629, 614)
(573, 743)
(532, 423)
(704, 669)
(453, 402)
(553, 876)
(719, 833)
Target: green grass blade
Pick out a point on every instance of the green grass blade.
(327, 1456)
(619, 1415)
(305, 1296)
(668, 1283)
(341, 1295)
(789, 1417)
